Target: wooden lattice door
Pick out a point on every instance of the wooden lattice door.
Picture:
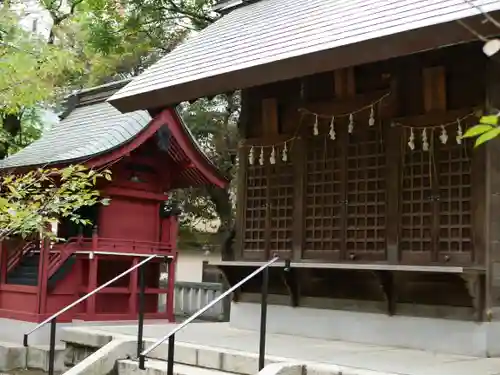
(280, 203)
(324, 199)
(254, 233)
(455, 242)
(366, 195)
(345, 195)
(436, 218)
(268, 214)
(416, 208)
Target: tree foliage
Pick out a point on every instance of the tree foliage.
(97, 41)
(161, 25)
(487, 129)
(214, 123)
(30, 202)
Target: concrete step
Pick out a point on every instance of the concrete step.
(15, 356)
(156, 367)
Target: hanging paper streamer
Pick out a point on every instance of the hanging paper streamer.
(261, 157)
(284, 153)
(459, 132)
(444, 135)
(371, 120)
(332, 133)
(425, 141)
(316, 126)
(350, 128)
(251, 156)
(272, 157)
(411, 140)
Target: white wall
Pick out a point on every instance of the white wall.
(190, 264)
(34, 17)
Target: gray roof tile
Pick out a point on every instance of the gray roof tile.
(272, 30)
(87, 131)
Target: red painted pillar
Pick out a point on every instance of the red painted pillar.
(92, 281)
(171, 288)
(133, 289)
(174, 229)
(4, 258)
(91, 302)
(43, 276)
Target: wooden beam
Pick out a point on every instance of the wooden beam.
(434, 90)
(270, 121)
(345, 83)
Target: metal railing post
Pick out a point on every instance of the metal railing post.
(263, 317)
(140, 325)
(171, 336)
(170, 357)
(53, 318)
(52, 347)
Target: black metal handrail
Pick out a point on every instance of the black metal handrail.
(53, 318)
(263, 320)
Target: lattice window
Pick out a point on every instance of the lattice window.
(416, 205)
(281, 189)
(255, 215)
(323, 199)
(366, 195)
(454, 170)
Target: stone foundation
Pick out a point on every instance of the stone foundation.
(432, 334)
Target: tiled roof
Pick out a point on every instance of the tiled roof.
(268, 31)
(86, 132)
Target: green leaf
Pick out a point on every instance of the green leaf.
(477, 130)
(487, 136)
(489, 120)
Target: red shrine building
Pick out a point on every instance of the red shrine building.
(149, 153)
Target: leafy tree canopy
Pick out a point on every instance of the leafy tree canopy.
(92, 42)
(30, 202)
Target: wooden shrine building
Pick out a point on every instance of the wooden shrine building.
(149, 153)
(352, 165)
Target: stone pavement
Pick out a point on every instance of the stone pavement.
(362, 356)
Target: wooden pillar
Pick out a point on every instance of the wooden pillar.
(93, 269)
(299, 165)
(43, 267)
(4, 257)
(492, 198)
(92, 285)
(434, 91)
(95, 238)
(174, 231)
(389, 109)
(133, 288)
(241, 202)
(170, 289)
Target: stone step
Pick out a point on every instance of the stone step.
(15, 356)
(157, 367)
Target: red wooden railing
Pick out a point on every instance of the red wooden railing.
(59, 253)
(15, 257)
